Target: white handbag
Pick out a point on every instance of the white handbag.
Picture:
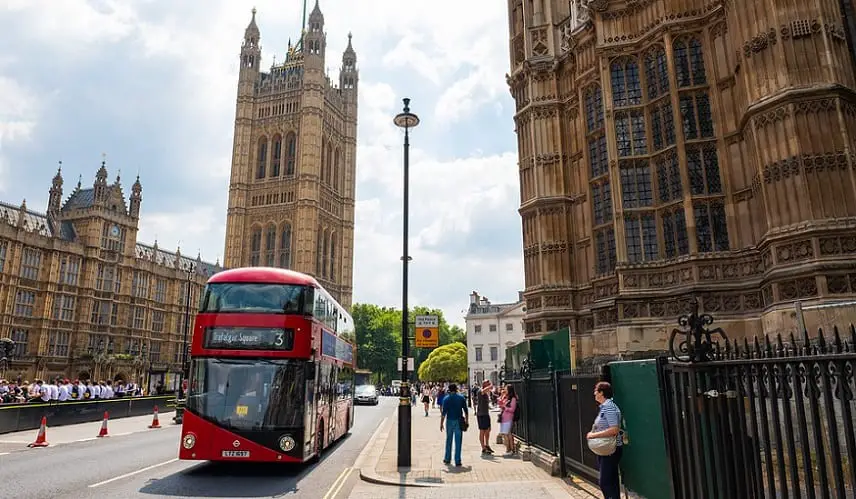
(604, 446)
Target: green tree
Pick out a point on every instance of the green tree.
(378, 337)
(445, 363)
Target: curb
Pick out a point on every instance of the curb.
(378, 442)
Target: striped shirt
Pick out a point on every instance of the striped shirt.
(609, 416)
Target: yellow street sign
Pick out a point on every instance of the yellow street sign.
(427, 331)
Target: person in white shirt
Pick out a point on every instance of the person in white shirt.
(54, 390)
(96, 390)
(44, 391)
(63, 391)
(109, 388)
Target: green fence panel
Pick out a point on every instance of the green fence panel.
(644, 469)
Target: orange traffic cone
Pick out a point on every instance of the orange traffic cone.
(155, 422)
(41, 439)
(103, 432)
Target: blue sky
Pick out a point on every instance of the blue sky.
(152, 84)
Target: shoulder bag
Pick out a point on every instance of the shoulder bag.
(604, 446)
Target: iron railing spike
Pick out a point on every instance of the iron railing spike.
(806, 339)
(836, 340)
(794, 344)
(821, 341)
(780, 347)
(757, 346)
(747, 352)
(852, 338)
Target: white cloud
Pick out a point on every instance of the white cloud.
(451, 56)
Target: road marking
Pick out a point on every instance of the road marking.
(13, 442)
(4, 453)
(87, 439)
(339, 483)
(126, 475)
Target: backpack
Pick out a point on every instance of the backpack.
(517, 411)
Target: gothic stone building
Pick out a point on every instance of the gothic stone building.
(82, 298)
(291, 194)
(673, 150)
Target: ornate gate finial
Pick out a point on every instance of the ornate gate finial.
(696, 344)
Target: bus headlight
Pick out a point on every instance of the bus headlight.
(188, 441)
(286, 443)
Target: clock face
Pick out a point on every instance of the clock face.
(114, 230)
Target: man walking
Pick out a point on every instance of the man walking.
(483, 415)
(454, 412)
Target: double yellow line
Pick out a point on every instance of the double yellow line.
(339, 483)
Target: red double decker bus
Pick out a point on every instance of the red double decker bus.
(271, 378)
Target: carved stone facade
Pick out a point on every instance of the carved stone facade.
(82, 298)
(678, 150)
(292, 187)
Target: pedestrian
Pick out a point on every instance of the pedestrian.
(426, 399)
(483, 416)
(456, 416)
(508, 410)
(607, 424)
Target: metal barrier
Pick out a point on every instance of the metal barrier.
(19, 417)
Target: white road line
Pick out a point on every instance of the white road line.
(4, 453)
(12, 442)
(126, 475)
(337, 485)
(87, 439)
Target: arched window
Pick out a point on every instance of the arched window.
(626, 86)
(285, 246)
(255, 247)
(689, 63)
(290, 153)
(262, 158)
(277, 156)
(323, 159)
(328, 173)
(336, 172)
(326, 260)
(333, 256)
(319, 248)
(270, 245)
(656, 72)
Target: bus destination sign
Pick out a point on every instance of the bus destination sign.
(249, 338)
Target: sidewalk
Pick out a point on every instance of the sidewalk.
(427, 468)
(60, 435)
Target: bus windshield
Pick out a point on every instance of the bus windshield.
(248, 394)
(257, 298)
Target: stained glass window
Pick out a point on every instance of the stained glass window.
(711, 226)
(657, 72)
(626, 86)
(662, 125)
(598, 157)
(605, 247)
(601, 194)
(636, 184)
(675, 233)
(703, 169)
(630, 133)
(594, 108)
(689, 62)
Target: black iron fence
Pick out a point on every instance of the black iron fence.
(767, 418)
(557, 410)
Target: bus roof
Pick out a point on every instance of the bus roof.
(265, 275)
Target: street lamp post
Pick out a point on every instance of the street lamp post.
(405, 120)
(186, 330)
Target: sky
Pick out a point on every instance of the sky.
(151, 86)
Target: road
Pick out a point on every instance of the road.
(144, 463)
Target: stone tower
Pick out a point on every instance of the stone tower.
(681, 150)
(292, 186)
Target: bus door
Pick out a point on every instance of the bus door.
(310, 425)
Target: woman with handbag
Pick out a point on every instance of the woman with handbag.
(507, 405)
(605, 440)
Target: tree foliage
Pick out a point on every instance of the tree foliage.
(378, 338)
(445, 363)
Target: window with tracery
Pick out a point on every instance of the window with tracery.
(662, 125)
(670, 187)
(626, 85)
(262, 158)
(285, 247)
(695, 116)
(689, 62)
(703, 169)
(630, 133)
(601, 202)
(657, 73)
(333, 256)
(336, 173)
(290, 153)
(636, 189)
(593, 109)
(328, 166)
(325, 261)
(601, 191)
(711, 226)
(277, 156)
(270, 246)
(319, 256)
(255, 247)
(605, 250)
(675, 242)
(598, 156)
(640, 235)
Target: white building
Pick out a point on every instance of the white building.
(491, 328)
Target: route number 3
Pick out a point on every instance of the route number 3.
(280, 340)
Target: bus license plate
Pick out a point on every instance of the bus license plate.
(236, 453)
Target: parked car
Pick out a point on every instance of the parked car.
(366, 394)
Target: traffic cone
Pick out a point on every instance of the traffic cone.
(41, 438)
(103, 432)
(155, 422)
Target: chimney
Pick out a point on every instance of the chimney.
(474, 298)
(485, 301)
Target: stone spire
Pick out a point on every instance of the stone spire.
(55, 193)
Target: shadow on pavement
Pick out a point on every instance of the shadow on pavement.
(230, 479)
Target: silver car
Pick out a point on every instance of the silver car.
(365, 394)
